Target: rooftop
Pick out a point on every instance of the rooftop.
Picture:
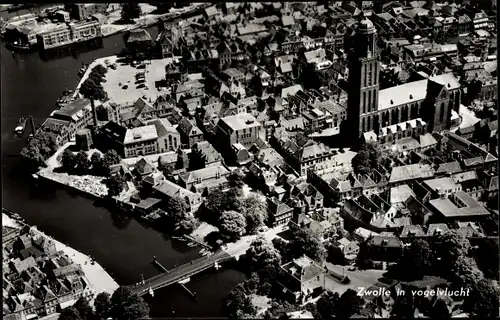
(467, 206)
(240, 121)
(140, 134)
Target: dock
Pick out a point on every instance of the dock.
(202, 244)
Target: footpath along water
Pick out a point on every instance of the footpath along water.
(123, 246)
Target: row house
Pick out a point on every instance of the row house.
(305, 155)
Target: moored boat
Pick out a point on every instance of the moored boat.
(82, 70)
(21, 125)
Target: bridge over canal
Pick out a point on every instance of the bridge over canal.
(180, 273)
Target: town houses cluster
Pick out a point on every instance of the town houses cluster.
(286, 95)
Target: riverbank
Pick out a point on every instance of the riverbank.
(98, 278)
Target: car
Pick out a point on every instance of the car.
(351, 268)
(125, 87)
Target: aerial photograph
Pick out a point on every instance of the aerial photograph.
(250, 160)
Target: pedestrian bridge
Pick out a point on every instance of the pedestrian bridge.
(180, 273)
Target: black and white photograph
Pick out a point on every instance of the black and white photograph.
(250, 160)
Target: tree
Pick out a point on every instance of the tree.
(110, 158)
(82, 163)
(84, 308)
(255, 212)
(178, 219)
(97, 163)
(486, 256)
(307, 242)
(368, 158)
(128, 306)
(283, 248)
(262, 253)
(102, 305)
(348, 304)
(115, 185)
(327, 305)
(239, 304)
(232, 225)
(68, 161)
(279, 309)
(130, 11)
(336, 255)
(40, 148)
(452, 245)
(70, 313)
(483, 300)
(465, 272)
(416, 261)
(93, 90)
(218, 201)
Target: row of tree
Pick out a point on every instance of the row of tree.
(121, 305)
(97, 165)
(92, 88)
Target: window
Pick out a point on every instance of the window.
(370, 75)
(364, 102)
(369, 100)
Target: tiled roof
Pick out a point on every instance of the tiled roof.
(409, 172)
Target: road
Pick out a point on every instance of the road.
(359, 278)
(238, 248)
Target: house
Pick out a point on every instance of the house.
(350, 249)
(241, 128)
(458, 207)
(209, 155)
(384, 248)
(169, 138)
(206, 178)
(403, 174)
(279, 213)
(168, 190)
(301, 278)
(190, 133)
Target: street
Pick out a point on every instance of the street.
(239, 247)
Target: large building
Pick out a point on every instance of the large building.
(370, 109)
(241, 128)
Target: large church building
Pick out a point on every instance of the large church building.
(371, 110)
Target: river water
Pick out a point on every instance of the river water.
(123, 246)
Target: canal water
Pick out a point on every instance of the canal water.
(123, 246)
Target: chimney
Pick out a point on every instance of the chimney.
(32, 123)
(94, 113)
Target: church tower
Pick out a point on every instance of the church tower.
(363, 80)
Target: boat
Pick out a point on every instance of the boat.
(21, 125)
(151, 292)
(82, 70)
(191, 244)
(203, 251)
